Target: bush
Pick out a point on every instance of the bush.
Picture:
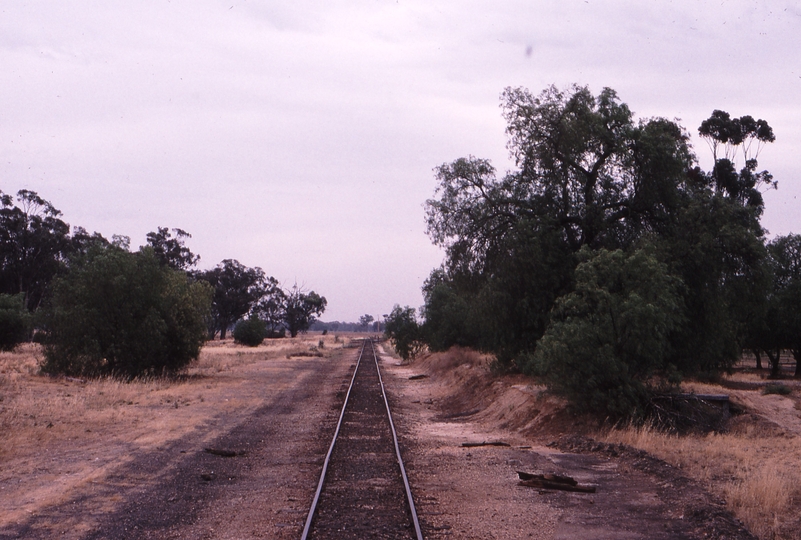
(609, 338)
(121, 313)
(402, 328)
(250, 331)
(780, 389)
(13, 321)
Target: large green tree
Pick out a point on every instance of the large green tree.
(34, 243)
(237, 288)
(122, 313)
(589, 176)
(302, 309)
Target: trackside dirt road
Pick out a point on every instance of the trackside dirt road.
(181, 491)
(277, 415)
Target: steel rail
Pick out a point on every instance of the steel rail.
(409, 497)
(316, 499)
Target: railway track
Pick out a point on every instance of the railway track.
(363, 491)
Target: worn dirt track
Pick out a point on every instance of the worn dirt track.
(182, 491)
(473, 493)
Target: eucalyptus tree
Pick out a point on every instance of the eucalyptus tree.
(302, 309)
(170, 248)
(587, 174)
(237, 288)
(34, 243)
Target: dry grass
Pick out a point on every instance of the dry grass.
(757, 471)
(35, 409)
(58, 434)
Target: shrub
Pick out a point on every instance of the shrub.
(250, 331)
(610, 336)
(13, 321)
(781, 389)
(122, 313)
(402, 328)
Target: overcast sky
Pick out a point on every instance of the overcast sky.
(300, 137)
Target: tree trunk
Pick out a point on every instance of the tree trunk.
(758, 359)
(774, 357)
(797, 356)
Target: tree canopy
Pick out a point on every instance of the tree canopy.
(170, 250)
(590, 180)
(34, 243)
(122, 313)
(236, 289)
(302, 309)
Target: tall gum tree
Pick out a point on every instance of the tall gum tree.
(589, 175)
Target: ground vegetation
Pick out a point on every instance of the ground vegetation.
(122, 313)
(607, 261)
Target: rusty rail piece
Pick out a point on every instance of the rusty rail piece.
(409, 498)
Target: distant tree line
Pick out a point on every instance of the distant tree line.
(100, 308)
(608, 263)
(366, 323)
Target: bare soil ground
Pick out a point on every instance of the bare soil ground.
(103, 459)
(473, 492)
(134, 466)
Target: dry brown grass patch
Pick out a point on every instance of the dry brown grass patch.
(758, 474)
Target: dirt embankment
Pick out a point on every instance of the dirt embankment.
(473, 492)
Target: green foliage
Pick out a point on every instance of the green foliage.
(780, 328)
(447, 317)
(250, 331)
(611, 335)
(14, 321)
(271, 307)
(34, 242)
(588, 175)
(715, 246)
(124, 313)
(237, 289)
(170, 250)
(590, 178)
(780, 389)
(402, 328)
(302, 309)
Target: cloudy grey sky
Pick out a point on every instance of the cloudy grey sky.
(300, 137)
